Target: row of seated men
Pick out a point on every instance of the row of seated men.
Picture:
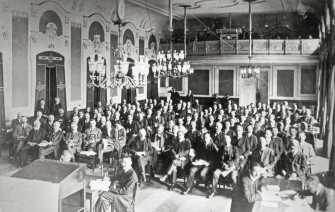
(214, 142)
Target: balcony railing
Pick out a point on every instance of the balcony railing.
(241, 47)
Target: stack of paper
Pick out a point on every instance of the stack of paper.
(88, 153)
(100, 185)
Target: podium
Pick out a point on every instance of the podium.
(44, 185)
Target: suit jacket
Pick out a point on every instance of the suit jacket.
(324, 200)
(245, 194)
(121, 196)
(219, 140)
(21, 131)
(250, 144)
(36, 136)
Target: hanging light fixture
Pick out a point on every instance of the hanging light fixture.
(126, 74)
(250, 70)
(173, 63)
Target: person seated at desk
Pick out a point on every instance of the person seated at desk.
(30, 150)
(20, 134)
(228, 166)
(179, 156)
(306, 149)
(265, 156)
(204, 162)
(55, 142)
(120, 196)
(107, 145)
(74, 139)
(119, 136)
(92, 136)
(323, 198)
(293, 164)
(140, 149)
(158, 146)
(247, 190)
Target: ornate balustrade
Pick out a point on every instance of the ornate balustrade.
(241, 47)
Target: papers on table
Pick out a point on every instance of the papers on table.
(100, 184)
(200, 163)
(43, 144)
(88, 153)
(270, 196)
(140, 153)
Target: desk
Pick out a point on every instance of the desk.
(286, 205)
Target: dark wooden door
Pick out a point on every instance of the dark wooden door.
(50, 78)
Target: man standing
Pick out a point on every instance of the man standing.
(121, 194)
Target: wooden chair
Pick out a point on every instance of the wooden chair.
(134, 196)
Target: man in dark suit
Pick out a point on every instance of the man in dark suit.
(30, 150)
(323, 198)
(120, 196)
(246, 192)
(56, 106)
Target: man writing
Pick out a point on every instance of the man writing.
(120, 196)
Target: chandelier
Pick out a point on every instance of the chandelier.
(97, 71)
(250, 70)
(173, 63)
(129, 74)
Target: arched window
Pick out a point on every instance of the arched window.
(128, 35)
(96, 29)
(152, 44)
(51, 18)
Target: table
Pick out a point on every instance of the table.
(287, 205)
(43, 185)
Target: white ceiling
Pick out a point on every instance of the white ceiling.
(221, 7)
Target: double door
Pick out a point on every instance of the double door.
(50, 78)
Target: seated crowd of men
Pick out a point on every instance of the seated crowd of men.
(174, 138)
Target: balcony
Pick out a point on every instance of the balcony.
(241, 47)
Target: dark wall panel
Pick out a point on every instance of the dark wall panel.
(199, 82)
(226, 82)
(75, 62)
(176, 83)
(285, 83)
(141, 46)
(20, 61)
(308, 80)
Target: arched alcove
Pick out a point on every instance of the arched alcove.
(50, 16)
(96, 28)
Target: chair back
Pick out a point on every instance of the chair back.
(134, 196)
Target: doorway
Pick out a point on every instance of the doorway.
(51, 87)
(50, 78)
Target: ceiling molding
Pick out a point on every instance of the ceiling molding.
(153, 7)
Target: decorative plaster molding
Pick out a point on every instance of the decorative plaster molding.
(4, 33)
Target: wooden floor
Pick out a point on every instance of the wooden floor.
(154, 196)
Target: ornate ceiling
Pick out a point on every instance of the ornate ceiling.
(221, 7)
